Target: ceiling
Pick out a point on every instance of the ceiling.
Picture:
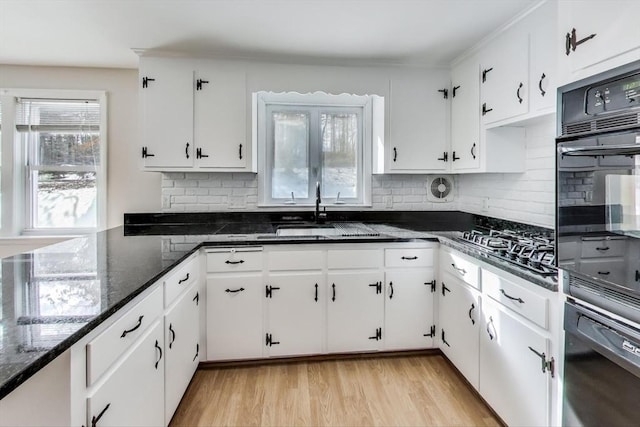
(102, 33)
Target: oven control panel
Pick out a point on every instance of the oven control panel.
(613, 96)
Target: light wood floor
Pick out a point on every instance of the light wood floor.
(386, 391)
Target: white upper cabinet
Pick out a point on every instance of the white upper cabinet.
(595, 36)
(220, 124)
(543, 74)
(419, 118)
(504, 76)
(166, 96)
(194, 115)
(465, 116)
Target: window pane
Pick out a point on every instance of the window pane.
(65, 199)
(339, 154)
(290, 155)
(59, 149)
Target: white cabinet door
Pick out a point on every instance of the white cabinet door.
(408, 309)
(133, 394)
(543, 75)
(460, 317)
(182, 347)
(355, 311)
(465, 116)
(511, 376)
(220, 117)
(504, 76)
(614, 24)
(166, 100)
(295, 307)
(418, 116)
(234, 317)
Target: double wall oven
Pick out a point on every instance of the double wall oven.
(598, 246)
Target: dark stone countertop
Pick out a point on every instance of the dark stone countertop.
(54, 296)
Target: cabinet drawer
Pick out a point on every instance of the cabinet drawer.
(610, 270)
(107, 347)
(230, 260)
(352, 258)
(516, 297)
(601, 248)
(408, 257)
(460, 267)
(296, 260)
(183, 276)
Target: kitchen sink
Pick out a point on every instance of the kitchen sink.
(307, 230)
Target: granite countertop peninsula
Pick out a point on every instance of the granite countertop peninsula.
(52, 297)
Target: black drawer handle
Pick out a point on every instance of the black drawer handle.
(542, 91)
(127, 331)
(234, 262)
(604, 248)
(473, 307)
(173, 335)
(520, 300)
(604, 273)
(459, 270)
(183, 280)
(410, 258)
(391, 286)
(94, 419)
(160, 357)
(233, 291)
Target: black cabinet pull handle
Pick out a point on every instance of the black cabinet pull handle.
(197, 298)
(233, 291)
(604, 248)
(445, 289)
(455, 88)
(197, 352)
(443, 339)
(518, 93)
(316, 296)
(395, 154)
(571, 41)
(199, 154)
(409, 258)
(542, 91)
(173, 335)
(445, 157)
(127, 331)
(485, 110)
(199, 83)
(490, 324)
(473, 150)
(146, 80)
(94, 419)
(445, 92)
(473, 322)
(604, 273)
(455, 157)
(333, 287)
(520, 300)
(160, 357)
(234, 262)
(459, 270)
(181, 281)
(240, 152)
(146, 154)
(391, 286)
(186, 150)
(484, 74)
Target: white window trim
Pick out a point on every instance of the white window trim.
(14, 211)
(316, 99)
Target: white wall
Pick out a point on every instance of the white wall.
(128, 188)
(527, 197)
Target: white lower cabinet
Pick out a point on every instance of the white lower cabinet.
(459, 312)
(408, 309)
(355, 311)
(295, 313)
(133, 393)
(182, 347)
(512, 378)
(234, 316)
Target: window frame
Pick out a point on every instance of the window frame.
(16, 207)
(315, 104)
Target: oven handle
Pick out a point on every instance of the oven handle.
(617, 342)
(601, 150)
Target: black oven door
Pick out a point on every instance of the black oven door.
(601, 370)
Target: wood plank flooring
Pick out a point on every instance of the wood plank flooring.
(387, 391)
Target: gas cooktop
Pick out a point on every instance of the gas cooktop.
(534, 252)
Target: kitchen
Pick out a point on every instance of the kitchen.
(513, 177)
